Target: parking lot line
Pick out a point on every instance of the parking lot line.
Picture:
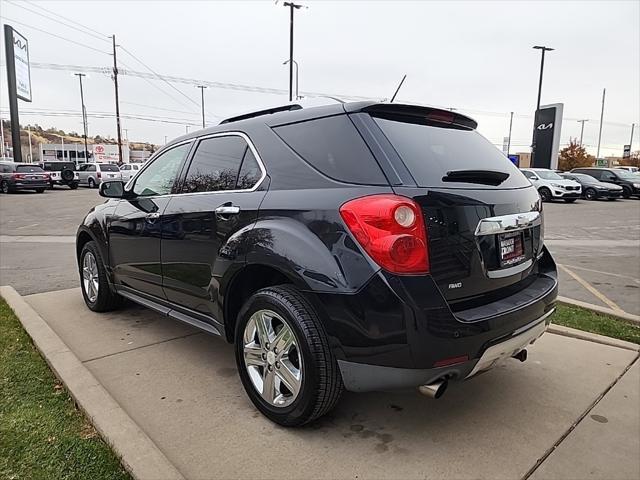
(626, 277)
(591, 289)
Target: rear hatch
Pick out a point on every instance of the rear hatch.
(483, 217)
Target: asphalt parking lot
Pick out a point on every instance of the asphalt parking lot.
(533, 420)
(597, 244)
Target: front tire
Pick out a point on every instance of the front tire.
(283, 357)
(4, 187)
(94, 283)
(590, 194)
(40, 190)
(626, 192)
(570, 200)
(545, 194)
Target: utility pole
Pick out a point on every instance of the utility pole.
(115, 80)
(582, 128)
(84, 117)
(292, 6)
(509, 141)
(30, 147)
(604, 91)
(533, 142)
(2, 135)
(202, 87)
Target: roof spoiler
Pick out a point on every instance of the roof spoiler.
(268, 111)
(430, 114)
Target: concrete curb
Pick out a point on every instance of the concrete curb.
(626, 317)
(137, 452)
(592, 337)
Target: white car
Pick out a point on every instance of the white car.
(128, 170)
(552, 186)
(93, 174)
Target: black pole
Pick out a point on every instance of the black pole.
(291, 7)
(540, 81)
(398, 89)
(533, 137)
(509, 141)
(84, 118)
(13, 97)
(115, 80)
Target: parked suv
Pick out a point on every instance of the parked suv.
(630, 182)
(22, 176)
(61, 173)
(93, 174)
(359, 246)
(552, 186)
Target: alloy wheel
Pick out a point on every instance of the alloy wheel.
(590, 194)
(90, 279)
(272, 358)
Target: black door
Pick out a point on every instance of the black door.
(135, 228)
(203, 227)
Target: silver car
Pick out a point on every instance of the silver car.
(93, 174)
(128, 170)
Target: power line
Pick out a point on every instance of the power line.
(75, 28)
(80, 25)
(56, 36)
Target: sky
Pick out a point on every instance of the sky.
(474, 56)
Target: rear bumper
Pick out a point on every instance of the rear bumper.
(399, 331)
(29, 186)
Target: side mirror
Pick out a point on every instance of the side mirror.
(114, 189)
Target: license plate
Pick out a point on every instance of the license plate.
(111, 176)
(511, 248)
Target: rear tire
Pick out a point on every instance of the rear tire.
(99, 297)
(570, 200)
(319, 385)
(40, 190)
(4, 187)
(91, 183)
(545, 194)
(626, 192)
(73, 186)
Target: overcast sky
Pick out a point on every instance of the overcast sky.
(473, 56)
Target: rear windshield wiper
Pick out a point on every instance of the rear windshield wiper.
(484, 177)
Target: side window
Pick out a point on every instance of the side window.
(159, 178)
(215, 164)
(333, 146)
(90, 168)
(608, 176)
(250, 172)
(528, 174)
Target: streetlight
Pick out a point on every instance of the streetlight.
(544, 49)
(292, 6)
(582, 128)
(533, 140)
(84, 117)
(296, 64)
(202, 87)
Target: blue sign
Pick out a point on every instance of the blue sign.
(515, 159)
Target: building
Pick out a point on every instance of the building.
(139, 156)
(74, 152)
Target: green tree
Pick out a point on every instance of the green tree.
(573, 156)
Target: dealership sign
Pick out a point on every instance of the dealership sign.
(546, 136)
(105, 153)
(22, 70)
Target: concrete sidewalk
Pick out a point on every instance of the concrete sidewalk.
(182, 389)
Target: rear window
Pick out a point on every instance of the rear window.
(333, 146)
(58, 166)
(109, 167)
(28, 168)
(430, 152)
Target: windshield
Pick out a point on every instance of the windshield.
(438, 155)
(548, 175)
(109, 167)
(28, 168)
(625, 175)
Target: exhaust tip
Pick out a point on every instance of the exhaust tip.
(434, 390)
(521, 355)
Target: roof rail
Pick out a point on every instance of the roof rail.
(268, 111)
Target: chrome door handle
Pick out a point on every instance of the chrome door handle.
(227, 210)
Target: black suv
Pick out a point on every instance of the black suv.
(363, 246)
(630, 182)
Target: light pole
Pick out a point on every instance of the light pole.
(533, 139)
(84, 116)
(582, 128)
(30, 147)
(509, 141)
(202, 87)
(296, 64)
(604, 92)
(292, 6)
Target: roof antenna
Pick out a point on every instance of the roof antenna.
(398, 89)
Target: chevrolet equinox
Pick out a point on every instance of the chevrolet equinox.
(359, 246)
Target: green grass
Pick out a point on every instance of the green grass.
(589, 321)
(42, 434)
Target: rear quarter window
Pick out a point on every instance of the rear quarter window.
(333, 146)
(109, 167)
(430, 152)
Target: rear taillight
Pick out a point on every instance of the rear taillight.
(18, 176)
(99, 175)
(391, 230)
